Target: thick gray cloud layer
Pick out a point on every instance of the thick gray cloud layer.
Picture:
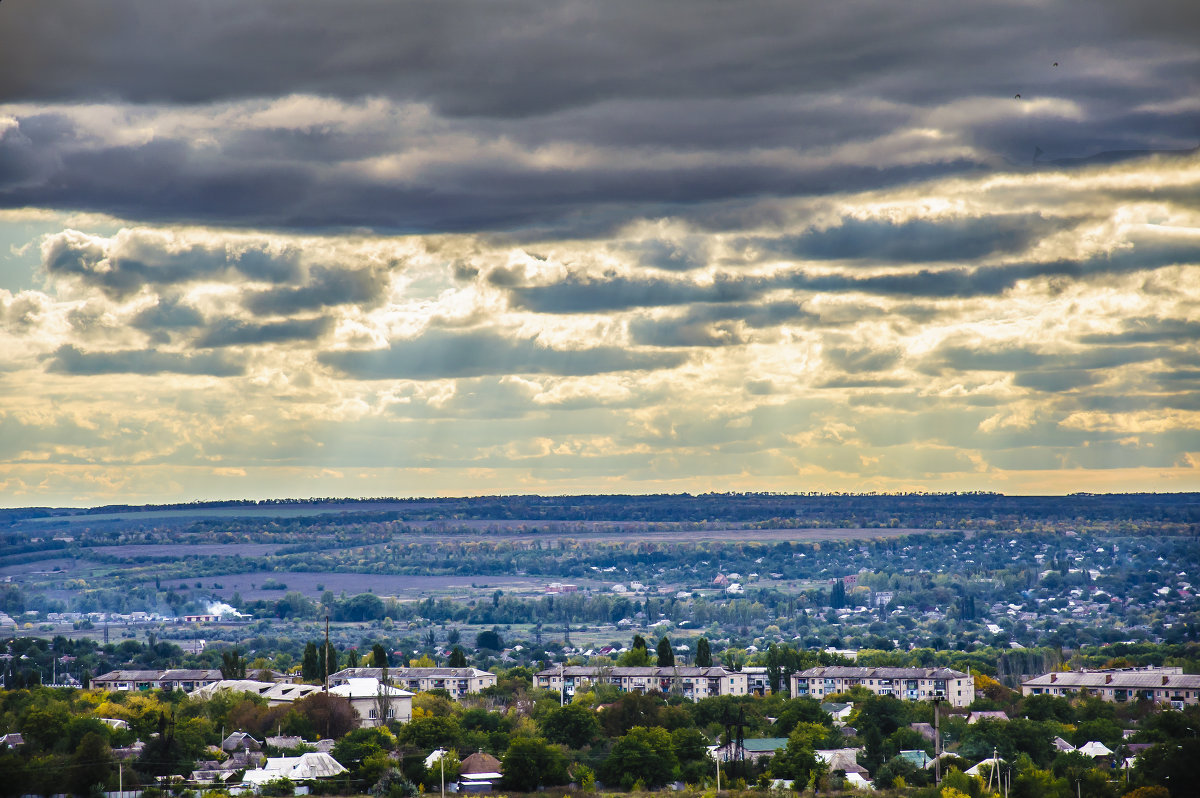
(457, 117)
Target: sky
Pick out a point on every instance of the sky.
(301, 249)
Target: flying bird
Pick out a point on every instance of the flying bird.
(1016, 96)
(1055, 63)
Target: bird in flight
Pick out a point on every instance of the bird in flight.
(1055, 63)
(1016, 96)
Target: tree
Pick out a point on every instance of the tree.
(630, 710)
(489, 640)
(232, 665)
(572, 725)
(666, 657)
(637, 656)
(530, 763)
(432, 732)
(91, 765)
(327, 660)
(457, 658)
(330, 715)
(645, 755)
(1169, 765)
(703, 653)
(797, 761)
(310, 667)
(379, 657)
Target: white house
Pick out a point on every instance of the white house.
(367, 695)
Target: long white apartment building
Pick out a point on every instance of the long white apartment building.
(458, 682)
(908, 684)
(1168, 685)
(690, 682)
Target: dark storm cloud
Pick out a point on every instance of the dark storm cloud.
(442, 354)
(326, 288)
(919, 240)
(1148, 330)
(169, 314)
(235, 332)
(717, 325)
(166, 180)
(861, 358)
(583, 294)
(123, 266)
(492, 59)
(71, 360)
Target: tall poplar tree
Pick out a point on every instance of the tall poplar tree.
(703, 653)
(666, 657)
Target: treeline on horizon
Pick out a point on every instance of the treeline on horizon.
(918, 510)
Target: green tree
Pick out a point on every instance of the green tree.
(703, 653)
(630, 710)
(530, 763)
(637, 656)
(573, 725)
(432, 732)
(457, 658)
(489, 640)
(92, 765)
(643, 755)
(232, 665)
(666, 657)
(310, 667)
(327, 661)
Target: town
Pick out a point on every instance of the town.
(1047, 651)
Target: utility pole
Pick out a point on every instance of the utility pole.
(562, 686)
(326, 685)
(442, 762)
(937, 742)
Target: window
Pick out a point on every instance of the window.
(372, 714)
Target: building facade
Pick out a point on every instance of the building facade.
(174, 679)
(1159, 685)
(458, 682)
(693, 683)
(907, 684)
(373, 701)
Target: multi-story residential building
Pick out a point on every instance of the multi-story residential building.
(174, 679)
(458, 682)
(907, 684)
(690, 682)
(757, 681)
(1159, 685)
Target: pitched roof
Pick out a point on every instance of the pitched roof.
(1120, 680)
(410, 673)
(843, 759)
(367, 688)
(1094, 749)
(855, 672)
(761, 745)
(650, 671)
(305, 766)
(478, 763)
